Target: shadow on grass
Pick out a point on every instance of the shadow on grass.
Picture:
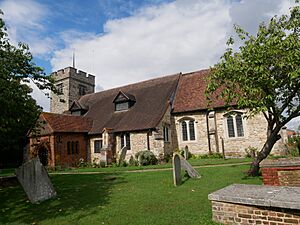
(78, 196)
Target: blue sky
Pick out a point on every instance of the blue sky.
(126, 41)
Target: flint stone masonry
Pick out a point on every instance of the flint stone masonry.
(281, 172)
(35, 181)
(256, 204)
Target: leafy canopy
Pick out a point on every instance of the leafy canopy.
(19, 110)
(264, 75)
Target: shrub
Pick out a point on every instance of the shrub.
(293, 146)
(190, 155)
(215, 155)
(146, 158)
(251, 152)
(133, 162)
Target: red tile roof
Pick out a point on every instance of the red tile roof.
(67, 123)
(190, 94)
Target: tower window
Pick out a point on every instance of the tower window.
(82, 89)
(59, 88)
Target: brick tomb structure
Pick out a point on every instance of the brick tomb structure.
(281, 172)
(256, 204)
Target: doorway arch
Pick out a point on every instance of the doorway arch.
(43, 155)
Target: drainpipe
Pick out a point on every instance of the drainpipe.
(208, 135)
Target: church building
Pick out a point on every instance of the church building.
(162, 115)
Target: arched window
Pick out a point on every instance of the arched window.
(188, 130)
(235, 126)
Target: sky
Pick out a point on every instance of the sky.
(127, 41)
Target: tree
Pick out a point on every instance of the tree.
(263, 75)
(19, 110)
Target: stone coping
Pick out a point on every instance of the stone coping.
(259, 195)
(282, 162)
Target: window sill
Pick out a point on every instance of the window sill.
(235, 138)
(189, 141)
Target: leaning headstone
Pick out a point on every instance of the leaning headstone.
(35, 181)
(189, 169)
(186, 152)
(176, 170)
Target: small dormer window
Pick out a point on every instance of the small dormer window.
(122, 106)
(123, 101)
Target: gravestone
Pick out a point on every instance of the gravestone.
(186, 152)
(189, 169)
(35, 181)
(123, 154)
(176, 170)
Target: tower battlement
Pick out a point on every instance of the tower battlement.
(70, 72)
(71, 85)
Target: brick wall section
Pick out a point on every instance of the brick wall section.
(281, 172)
(279, 176)
(229, 213)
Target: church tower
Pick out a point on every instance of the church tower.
(71, 85)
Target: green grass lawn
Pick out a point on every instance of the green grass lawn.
(122, 198)
(193, 162)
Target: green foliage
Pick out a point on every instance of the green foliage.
(133, 162)
(19, 110)
(294, 146)
(208, 156)
(251, 152)
(146, 157)
(190, 155)
(263, 76)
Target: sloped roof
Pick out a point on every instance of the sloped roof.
(152, 100)
(190, 94)
(66, 123)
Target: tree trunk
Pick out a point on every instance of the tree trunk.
(264, 152)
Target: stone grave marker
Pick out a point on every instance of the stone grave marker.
(189, 169)
(176, 170)
(35, 181)
(186, 152)
(180, 163)
(123, 154)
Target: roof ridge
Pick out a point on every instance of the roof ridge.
(195, 72)
(137, 83)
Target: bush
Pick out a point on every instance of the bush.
(190, 155)
(293, 146)
(146, 158)
(251, 152)
(133, 162)
(215, 155)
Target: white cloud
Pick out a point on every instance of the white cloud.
(156, 40)
(25, 21)
(181, 36)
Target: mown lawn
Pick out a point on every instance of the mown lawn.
(122, 198)
(193, 162)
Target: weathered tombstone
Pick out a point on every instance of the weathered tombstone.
(176, 170)
(189, 169)
(186, 152)
(35, 181)
(123, 154)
